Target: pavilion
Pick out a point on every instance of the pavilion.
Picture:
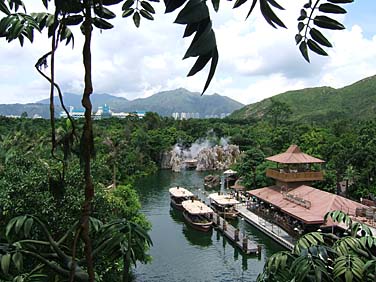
(292, 202)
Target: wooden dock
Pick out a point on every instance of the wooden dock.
(235, 236)
(273, 231)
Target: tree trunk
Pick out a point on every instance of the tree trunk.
(254, 177)
(126, 267)
(52, 84)
(87, 146)
(114, 175)
(338, 184)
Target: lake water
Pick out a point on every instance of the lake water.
(182, 254)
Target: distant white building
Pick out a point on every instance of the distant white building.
(74, 113)
(103, 111)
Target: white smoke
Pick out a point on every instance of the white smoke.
(224, 141)
(196, 147)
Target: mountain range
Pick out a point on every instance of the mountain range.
(354, 102)
(164, 103)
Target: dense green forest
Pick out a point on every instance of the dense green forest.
(35, 184)
(53, 230)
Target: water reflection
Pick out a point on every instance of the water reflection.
(198, 238)
(177, 216)
(181, 253)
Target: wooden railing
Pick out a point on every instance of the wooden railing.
(294, 176)
(297, 200)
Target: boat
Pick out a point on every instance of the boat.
(179, 195)
(190, 164)
(198, 215)
(224, 205)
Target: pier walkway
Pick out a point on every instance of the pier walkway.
(273, 231)
(235, 236)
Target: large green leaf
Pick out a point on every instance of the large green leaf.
(215, 5)
(103, 12)
(19, 223)
(4, 8)
(328, 23)
(190, 29)
(18, 261)
(136, 19)
(275, 4)
(70, 20)
(304, 50)
(269, 15)
(101, 23)
(172, 5)
(145, 14)
(213, 66)
(331, 8)
(203, 42)
(147, 7)
(127, 4)
(238, 3)
(251, 9)
(298, 38)
(319, 37)
(128, 12)
(27, 226)
(195, 11)
(5, 262)
(200, 64)
(316, 48)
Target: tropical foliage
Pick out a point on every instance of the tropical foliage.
(31, 249)
(72, 254)
(327, 257)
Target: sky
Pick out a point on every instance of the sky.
(256, 61)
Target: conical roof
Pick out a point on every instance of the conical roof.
(293, 155)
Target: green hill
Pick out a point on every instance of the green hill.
(356, 102)
(181, 100)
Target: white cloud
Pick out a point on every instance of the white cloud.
(256, 61)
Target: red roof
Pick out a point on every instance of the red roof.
(321, 202)
(293, 155)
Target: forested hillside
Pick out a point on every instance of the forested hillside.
(321, 104)
(37, 186)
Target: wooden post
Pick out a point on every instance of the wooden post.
(245, 244)
(224, 225)
(218, 220)
(236, 235)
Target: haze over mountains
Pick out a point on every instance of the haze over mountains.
(164, 103)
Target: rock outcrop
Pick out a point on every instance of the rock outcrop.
(209, 158)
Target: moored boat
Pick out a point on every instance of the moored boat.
(224, 205)
(190, 164)
(198, 215)
(179, 195)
